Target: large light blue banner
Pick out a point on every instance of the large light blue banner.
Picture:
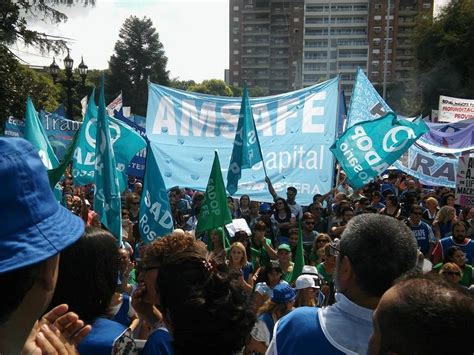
(295, 130)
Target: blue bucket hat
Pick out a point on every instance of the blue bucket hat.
(34, 225)
(283, 293)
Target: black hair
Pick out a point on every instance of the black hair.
(459, 223)
(263, 275)
(380, 249)
(285, 204)
(292, 188)
(429, 316)
(15, 285)
(414, 207)
(88, 273)
(449, 253)
(198, 303)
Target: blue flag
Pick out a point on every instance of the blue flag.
(155, 220)
(125, 142)
(107, 194)
(246, 152)
(367, 149)
(35, 134)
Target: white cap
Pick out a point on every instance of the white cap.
(305, 281)
(310, 269)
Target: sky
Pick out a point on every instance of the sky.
(194, 33)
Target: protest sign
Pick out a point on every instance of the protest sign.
(246, 151)
(155, 220)
(452, 109)
(465, 182)
(363, 152)
(295, 131)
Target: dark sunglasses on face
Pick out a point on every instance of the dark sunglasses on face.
(452, 273)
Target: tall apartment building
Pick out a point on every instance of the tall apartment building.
(402, 16)
(266, 39)
(335, 41)
(286, 45)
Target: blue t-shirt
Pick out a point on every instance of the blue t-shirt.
(158, 343)
(423, 235)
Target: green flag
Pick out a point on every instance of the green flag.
(214, 209)
(299, 258)
(35, 134)
(107, 194)
(55, 175)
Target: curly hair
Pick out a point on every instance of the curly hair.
(197, 301)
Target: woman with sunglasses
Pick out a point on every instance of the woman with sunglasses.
(455, 255)
(451, 272)
(326, 269)
(317, 250)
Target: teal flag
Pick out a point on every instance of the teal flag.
(214, 210)
(107, 194)
(367, 149)
(35, 134)
(125, 141)
(155, 219)
(246, 152)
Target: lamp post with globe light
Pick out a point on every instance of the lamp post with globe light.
(70, 82)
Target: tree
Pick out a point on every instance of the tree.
(17, 82)
(181, 84)
(139, 56)
(212, 87)
(14, 25)
(444, 50)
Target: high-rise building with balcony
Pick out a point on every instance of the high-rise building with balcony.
(265, 40)
(335, 40)
(391, 29)
(286, 45)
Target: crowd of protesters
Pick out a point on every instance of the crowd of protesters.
(220, 294)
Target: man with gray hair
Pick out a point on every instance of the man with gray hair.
(374, 250)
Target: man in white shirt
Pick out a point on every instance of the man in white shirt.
(374, 250)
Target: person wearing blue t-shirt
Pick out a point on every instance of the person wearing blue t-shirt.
(362, 276)
(421, 231)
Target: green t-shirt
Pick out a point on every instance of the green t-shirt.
(259, 255)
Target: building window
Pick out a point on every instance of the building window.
(236, 83)
(236, 40)
(377, 29)
(236, 62)
(377, 18)
(236, 72)
(236, 8)
(426, 5)
(236, 51)
(376, 51)
(296, 19)
(236, 19)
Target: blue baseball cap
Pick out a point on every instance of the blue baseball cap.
(34, 225)
(283, 293)
(265, 208)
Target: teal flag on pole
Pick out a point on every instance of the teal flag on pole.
(155, 220)
(107, 194)
(367, 149)
(125, 142)
(246, 152)
(35, 134)
(214, 210)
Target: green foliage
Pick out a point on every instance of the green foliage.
(17, 82)
(444, 50)
(212, 87)
(14, 27)
(181, 84)
(139, 56)
(401, 99)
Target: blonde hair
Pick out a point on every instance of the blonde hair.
(432, 200)
(443, 214)
(241, 247)
(271, 307)
(304, 298)
(450, 267)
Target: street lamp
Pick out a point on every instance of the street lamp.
(69, 83)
